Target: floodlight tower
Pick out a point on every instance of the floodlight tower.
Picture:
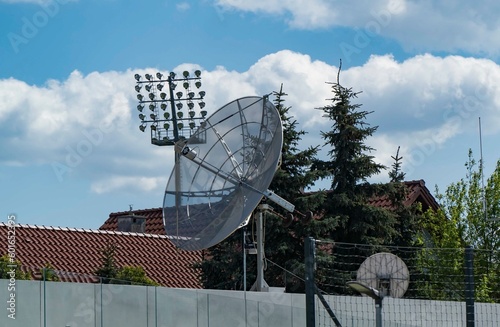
(169, 127)
(175, 127)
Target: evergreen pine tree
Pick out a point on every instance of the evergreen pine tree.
(108, 268)
(350, 166)
(284, 240)
(396, 175)
(222, 267)
(407, 215)
(347, 206)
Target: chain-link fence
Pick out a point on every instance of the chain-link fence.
(402, 286)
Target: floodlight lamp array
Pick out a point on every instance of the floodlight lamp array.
(184, 116)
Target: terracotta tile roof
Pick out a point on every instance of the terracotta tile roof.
(417, 192)
(154, 220)
(76, 253)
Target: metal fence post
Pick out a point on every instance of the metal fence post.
(469, 286)
(309, 260)
(44, 276)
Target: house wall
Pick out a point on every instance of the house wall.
(39, 304)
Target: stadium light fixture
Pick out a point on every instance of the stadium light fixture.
(183, 117)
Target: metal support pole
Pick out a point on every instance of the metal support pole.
(44, 275)
(309, 255)
(260, 284)
(178, 184)
(102, 310)
(378, 312)
(260, 254)
(243, 243)
(244, 259)
(469, 286)
(156, 307)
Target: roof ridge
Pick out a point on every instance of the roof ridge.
(119, 213)
(415, 181)
(85, 230)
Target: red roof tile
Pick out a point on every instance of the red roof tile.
(417, 192)
(154, 220)
(76, 253)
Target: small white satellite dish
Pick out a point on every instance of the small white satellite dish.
(222, 172)
(385, 272)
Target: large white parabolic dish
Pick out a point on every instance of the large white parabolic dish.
(222, 172)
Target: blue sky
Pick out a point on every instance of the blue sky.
(428, 70)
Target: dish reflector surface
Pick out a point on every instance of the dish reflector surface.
(221, 173)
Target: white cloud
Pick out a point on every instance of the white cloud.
(87, 126)
(428, 89)
(183, 6)
(418, 25)
(60, 113)
(145, 184)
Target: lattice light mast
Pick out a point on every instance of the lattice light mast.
(169, 125)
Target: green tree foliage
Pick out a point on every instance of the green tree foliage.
(440, 263)
(285, 240)
(111, 273)
(295, 163)
(108, 268)
(222, 266)
(407, 216)
(350, 166)
(133, 275)
(472, 210)
(6, 269)
(469, 217)
(396, 175)
(48, 273)
(353, 219)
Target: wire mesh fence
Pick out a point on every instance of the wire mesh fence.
(406, 286)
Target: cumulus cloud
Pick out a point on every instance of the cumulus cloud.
(449, 25)
(145, 184)
(86, 126)
(427, 89)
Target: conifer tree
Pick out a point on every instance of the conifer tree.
(407, 215)
(350, 166)
(223, 264)
(108, 268)
(285, 239)
(407, 226)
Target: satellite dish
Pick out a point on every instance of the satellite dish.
(385, 272)
(222, 172)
